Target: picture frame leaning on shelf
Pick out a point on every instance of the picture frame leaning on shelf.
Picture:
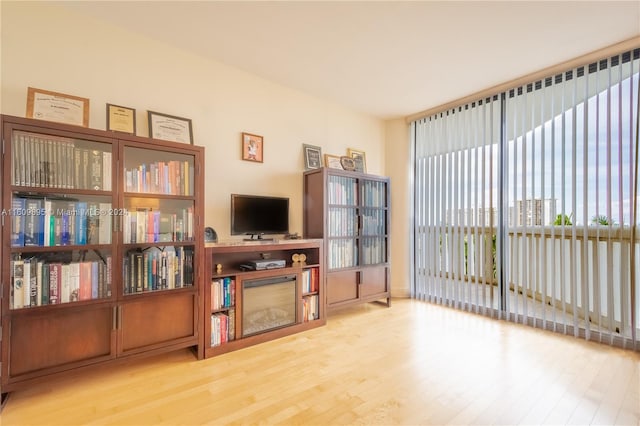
(359, 159)
(57, 107)
(170, 128)
(333, 161)
(121, 119)
(312, 156)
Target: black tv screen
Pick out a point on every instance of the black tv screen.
(255, 215)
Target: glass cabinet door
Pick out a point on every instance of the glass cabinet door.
(373, 214)
(158, 221)
(61, 217)
(342, 248)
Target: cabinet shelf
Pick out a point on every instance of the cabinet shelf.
(128, 246)
(160, 196)
(52, 308)
(225, 309)
(48, 249)
(231, 272)
(35, 191)
(155, 293)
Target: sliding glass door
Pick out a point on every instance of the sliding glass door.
(524, 203)
(456, 206)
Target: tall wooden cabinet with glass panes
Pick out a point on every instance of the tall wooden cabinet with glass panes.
(101, 258)
(350, 211)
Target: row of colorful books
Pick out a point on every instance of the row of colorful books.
(374, 194)
(373, 222)
(37, 282)
(342, 253)
(158, 268)
(223, 293)
(55, 162)
(373, 251)
(343, 221)
(162, 177)
(310, 308)
(342, 190)
(310, 280)
(153, 226)
(45, 222)
(222, 327)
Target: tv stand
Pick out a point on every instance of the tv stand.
(224, 269)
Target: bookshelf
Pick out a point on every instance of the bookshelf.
(101, 260)
(350, 212)
(246, 307)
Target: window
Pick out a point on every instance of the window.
(524, 203)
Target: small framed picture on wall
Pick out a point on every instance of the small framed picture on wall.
(252, 147)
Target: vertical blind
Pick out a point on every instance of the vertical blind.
(525, 203)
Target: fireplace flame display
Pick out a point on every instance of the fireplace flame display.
(268, 304)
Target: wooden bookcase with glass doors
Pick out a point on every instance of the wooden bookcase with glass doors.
(350, 211)
(101, 248)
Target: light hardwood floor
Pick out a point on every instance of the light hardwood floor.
(413, 363)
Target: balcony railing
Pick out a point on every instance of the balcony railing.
(567, 274)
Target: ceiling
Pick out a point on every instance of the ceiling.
(387, 59)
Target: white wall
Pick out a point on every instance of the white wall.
(52, 48)
(399, 169)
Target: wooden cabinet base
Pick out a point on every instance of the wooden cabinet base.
(261, 338)
(358, 285)
(60, 371)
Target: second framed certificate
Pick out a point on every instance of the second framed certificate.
(121, 119)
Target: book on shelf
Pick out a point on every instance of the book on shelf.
(107, 277)
(223, 293)
(65, 284)
(86, 176)
(95, 282)
(17, 287)
(37, 281)
(310, 280)
(48, 222)
(157, 268)
(93, 223)
(161, 177)
(154, 226)
(34, 223)
(104, 221)
(46, 286)
(310, 308)
(17, 221)
(95, 169)
(74, 277)
(342, 190)
(222, 328)
(47, 161)
(84, 276)
(342, 253)
(55, 276)
(30, 282)
(232, 324)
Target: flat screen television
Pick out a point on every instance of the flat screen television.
(256, 215)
